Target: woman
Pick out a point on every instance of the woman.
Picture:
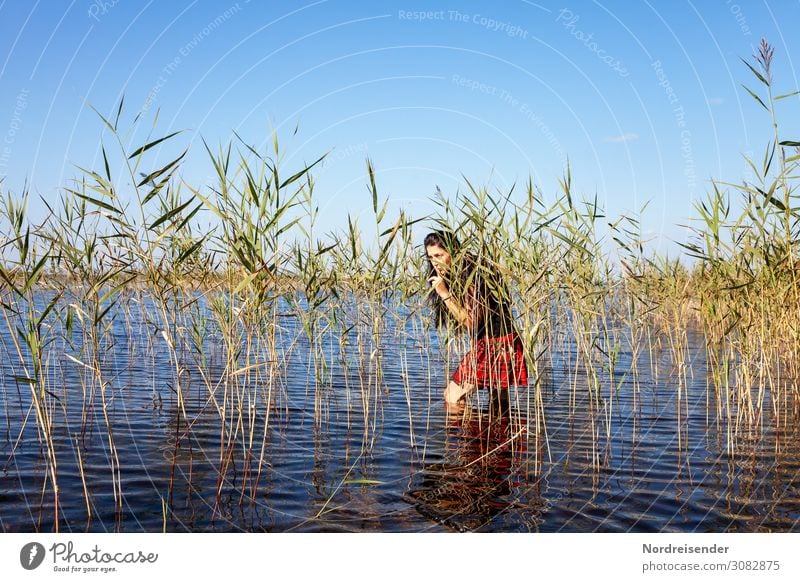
(477, 299)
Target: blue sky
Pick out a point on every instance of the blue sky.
(643, 98)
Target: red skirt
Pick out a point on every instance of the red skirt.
(497, 362)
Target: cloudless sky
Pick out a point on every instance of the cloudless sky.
(643, 98)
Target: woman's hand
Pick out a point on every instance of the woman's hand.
(439, 285)
(464, 315)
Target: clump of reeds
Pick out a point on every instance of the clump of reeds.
(745, 281)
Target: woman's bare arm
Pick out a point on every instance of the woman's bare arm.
(468, 313)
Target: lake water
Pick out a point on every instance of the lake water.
(358, 454)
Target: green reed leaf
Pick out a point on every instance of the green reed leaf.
(119, 113)
(756, 97)
(787, 95)
(34, 275)
(108, 295)
(758, 75)
(191, 250)
(171, 213)
(95, 201)
(25, 380)
(301, 173)
(155, 174)
(144, 148)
